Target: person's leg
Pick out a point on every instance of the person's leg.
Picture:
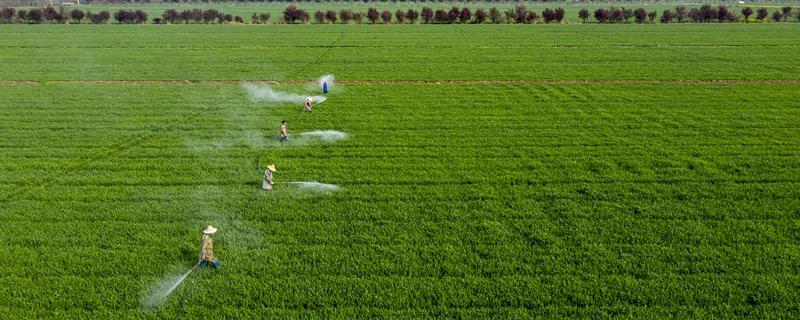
(216, 264)
(203, 264)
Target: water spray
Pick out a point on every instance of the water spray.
(312, 185)
(161, 291)
(325, 135)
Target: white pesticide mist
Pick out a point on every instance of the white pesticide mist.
(265, 93)
(325, 135)
(160, 291)
(328, 78)
(313, 185)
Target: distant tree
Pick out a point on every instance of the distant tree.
(185, 16)
(345, 16)
(197, 15)
(358, 17)
(694, 15)
(228, 18)
(139, 16)
(651, 16)
(731, 17)
(440, 16)
(747, 12)
(264, 17)
(626, 14)
(158, 20)
(494, 15)
(386, 16)
(666, 16)
(708, 13)
(548, 15)
(35, 16)
(680, 13)
(465, 16)
(238, 19)
(330, 16)
(319, 17)
(99, 18)
(480, 16)
(797, 15)
(121, 16)
(400, 16)
(22, 15)
(640, 15)
(777, 16)
(617, 15)
(412, 15)
(520, 13)
(722, 13)
(373, 15)
(427, 15)
(210, 15)
(761, 14)
(559, 14)
(531, 17)
(452, 15)
(7, 15)
(77, 15)
(583, 14)
(292, 14)
(50, 14)
(787, 12)
(601, 15)
(170, 16)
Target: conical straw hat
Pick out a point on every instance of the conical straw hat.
(271, 168)
(210, 230)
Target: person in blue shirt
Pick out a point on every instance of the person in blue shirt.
(325, 87)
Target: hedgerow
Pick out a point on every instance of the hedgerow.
(519, 14)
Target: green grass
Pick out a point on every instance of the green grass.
(460, 199)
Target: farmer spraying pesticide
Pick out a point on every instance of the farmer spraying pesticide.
(207, 249)
(308, 104)
(266, 184)
(284, 132)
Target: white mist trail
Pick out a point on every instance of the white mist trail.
(313, 185)
(162, 289)
(325, 135)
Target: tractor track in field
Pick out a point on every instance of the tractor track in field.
(399, 82)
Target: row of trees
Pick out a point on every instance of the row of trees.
(293, 14)
(49, 14)
(703, 14)
(427, 15)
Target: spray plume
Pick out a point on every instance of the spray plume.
(161, 290)
(313, 185)
(265, 93)
(325, 135)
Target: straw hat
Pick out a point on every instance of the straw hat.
(271, 168)
(210, 230)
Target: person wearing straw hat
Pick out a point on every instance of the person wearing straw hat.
(308, 104)
(267, 183)
(207, 249)
(284, 132)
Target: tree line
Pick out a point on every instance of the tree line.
(455, 15)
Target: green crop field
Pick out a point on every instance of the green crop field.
(493, 171)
